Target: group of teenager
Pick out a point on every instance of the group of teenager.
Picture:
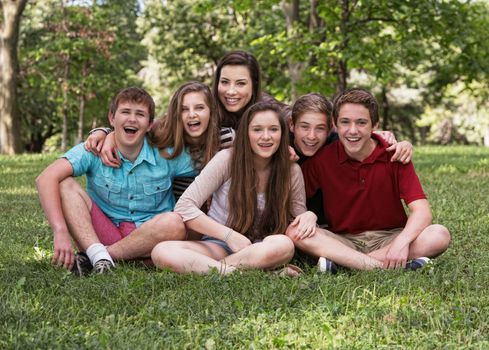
(255, 181)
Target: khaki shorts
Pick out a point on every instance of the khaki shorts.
(367, 241)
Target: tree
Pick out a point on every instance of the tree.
(10, 142)
(185, 39)
(75, 56)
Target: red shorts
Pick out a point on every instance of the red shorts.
(106, 231)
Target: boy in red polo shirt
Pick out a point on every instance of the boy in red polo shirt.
(362, 191)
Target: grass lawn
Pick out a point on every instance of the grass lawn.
(443, 306)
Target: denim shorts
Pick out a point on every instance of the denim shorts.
(219, 242)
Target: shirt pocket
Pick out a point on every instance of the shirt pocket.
(108, 190)
(155, 193)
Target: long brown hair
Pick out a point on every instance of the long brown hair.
(242, 193)
(237, 58)
(169, 131)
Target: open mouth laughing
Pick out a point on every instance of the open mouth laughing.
(194, 125)
(130, 130)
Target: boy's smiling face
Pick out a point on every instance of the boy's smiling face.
(354, 127)
(131, 122)
(310, 132)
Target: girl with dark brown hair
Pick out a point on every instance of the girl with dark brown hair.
(256, 193)
(236, 86)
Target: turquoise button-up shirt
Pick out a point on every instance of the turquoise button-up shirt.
(136, 191)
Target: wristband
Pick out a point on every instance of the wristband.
(106, 130)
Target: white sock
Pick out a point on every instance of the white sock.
(98, 251)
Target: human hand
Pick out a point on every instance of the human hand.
(403, 152)
(305, 225)
(95, 141)
(236, 241)
(397, 255)
(292, 155)
(388, 136)
(108, 153)
(63, 252)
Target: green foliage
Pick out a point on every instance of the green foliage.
(98, 44)
(385, 46)
(441, 307)
(185, 39)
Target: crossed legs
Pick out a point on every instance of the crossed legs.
(200, 257)
(77, 206)
(432, 241)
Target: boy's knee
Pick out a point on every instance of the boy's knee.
(442, 236)
(68, 186)
(70, 189)
(170, 225)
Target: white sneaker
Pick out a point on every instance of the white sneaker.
(327, 266)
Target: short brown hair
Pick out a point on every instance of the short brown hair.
(357, 96)
(136, 95)
(315, 103)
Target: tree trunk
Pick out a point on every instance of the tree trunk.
(10, 142)
(486, 136)
(342, 71)
(291, 11)
(66, 73)
(385, 110)
(81, 119)
(81, 99)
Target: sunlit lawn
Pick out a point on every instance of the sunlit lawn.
(445, 306)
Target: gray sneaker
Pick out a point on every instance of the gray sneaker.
(327, 266)
(103, 266)
(82, 265)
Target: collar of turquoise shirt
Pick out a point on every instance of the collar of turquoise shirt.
(146, 154)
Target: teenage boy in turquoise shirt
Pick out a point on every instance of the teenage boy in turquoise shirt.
(125, 211)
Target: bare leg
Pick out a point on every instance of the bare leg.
(273, 251)
(321, 244)
(431, 242)
(190, 256)
(76, 206)
(163, 227)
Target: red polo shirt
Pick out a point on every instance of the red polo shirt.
(361, 196)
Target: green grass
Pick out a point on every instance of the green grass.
(445, 306)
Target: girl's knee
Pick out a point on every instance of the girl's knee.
(161, 253)
(282, 246)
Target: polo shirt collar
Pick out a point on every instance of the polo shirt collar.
(378, 154)
(145, 155)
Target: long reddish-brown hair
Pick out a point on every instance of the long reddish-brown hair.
(242, 197)
(168, 131)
